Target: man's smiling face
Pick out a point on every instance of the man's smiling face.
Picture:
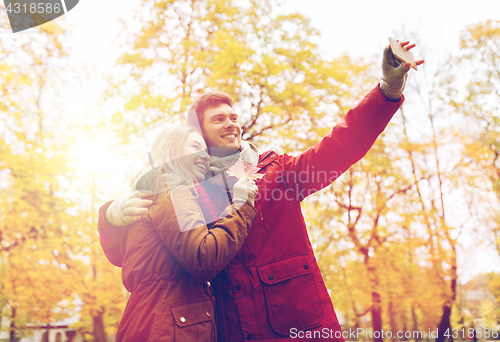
(221, 128)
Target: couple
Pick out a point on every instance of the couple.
(271, 288)
(168, 255)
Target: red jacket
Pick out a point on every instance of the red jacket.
(273, 289)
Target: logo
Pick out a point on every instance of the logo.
(25, 14)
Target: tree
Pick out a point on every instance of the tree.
(480, 53)
(366, 209)
(441, 180)
(441, 175)
(267, 62)
(36, 243)
(48, 241)
(99, 286)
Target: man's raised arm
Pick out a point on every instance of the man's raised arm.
(353, 136)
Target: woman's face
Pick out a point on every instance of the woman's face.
(195, 156)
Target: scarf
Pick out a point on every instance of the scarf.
(248, 153)
(208, 209)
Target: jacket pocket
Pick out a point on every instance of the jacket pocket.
(194, 322)
(292, 297)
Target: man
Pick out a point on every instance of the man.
(273, 290)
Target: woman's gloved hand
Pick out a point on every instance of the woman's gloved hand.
(128, 208)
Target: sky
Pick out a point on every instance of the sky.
(360, 28)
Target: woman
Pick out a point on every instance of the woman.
(168, 257)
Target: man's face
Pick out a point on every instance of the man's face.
(222, 128)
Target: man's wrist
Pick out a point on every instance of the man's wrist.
(390, 94)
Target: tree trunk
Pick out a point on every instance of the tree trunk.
(392, 322)
(405, 329)
(445, 323)
(346, 326)
(376, 317)
(99, 332)
(445, 318)
(415, 323)
(376, 307)
(12, 333)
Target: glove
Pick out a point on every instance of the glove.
(245, 190)
(128, 208)
(394, 75)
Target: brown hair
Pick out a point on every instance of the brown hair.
(210, 99)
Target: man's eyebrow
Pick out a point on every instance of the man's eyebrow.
(216, 116)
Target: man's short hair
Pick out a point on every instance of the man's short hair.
(210, 99)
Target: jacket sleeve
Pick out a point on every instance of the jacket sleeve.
(344, 145)
(202, 252)
(109, 237)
